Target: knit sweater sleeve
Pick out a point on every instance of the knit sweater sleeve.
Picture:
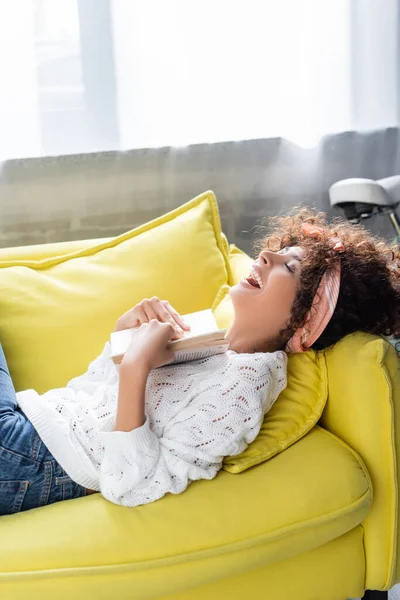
(221, 420)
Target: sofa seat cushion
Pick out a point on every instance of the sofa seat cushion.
(57, 312)
(315, 491)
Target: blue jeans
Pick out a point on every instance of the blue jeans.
(29, 475)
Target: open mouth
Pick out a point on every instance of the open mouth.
(254, 280)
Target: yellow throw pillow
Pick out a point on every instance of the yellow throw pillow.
(222, 308)
(240, 263)
(298, 408)
(56, 313)
(296, 411)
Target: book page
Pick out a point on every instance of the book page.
(120, 341)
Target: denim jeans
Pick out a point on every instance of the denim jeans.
(29, 475)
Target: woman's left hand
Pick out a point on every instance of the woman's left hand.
(149, 309)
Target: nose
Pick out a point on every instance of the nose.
(267, 257)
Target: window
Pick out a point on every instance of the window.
(94, 75)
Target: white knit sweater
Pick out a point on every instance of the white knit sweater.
(196, 413)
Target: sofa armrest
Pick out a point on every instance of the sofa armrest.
(363, 409)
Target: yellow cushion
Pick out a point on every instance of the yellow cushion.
(56, 313)
(40, 251)
(363, 409)
(307, 575)
(89, 548)
(298, 408)
(240, 263)
(222, 308)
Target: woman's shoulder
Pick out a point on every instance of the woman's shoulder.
(263, 373)
(257, 358)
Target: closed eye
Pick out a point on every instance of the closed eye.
(289, 268)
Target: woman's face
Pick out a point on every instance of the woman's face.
(262, 301)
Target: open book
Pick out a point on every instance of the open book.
(204, 339)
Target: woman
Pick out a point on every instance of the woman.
(150, 428)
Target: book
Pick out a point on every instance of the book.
(203, 340)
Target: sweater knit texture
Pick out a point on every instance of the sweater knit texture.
(196, 414)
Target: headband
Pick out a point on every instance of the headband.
(324, 302)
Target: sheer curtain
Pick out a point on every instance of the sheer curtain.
(210, 71)
(93, 75)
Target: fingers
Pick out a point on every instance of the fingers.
(167, 328)
(176, 316)
(162, 310)
(142, 312)
(154, 308)
(165, 317)
(132, 318)
(150, 343)
(148, 311)
(140, 317)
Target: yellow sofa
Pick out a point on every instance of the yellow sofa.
(317, 521)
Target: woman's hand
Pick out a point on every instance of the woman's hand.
(149, 309)
(148, 348)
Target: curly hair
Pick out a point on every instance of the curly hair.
(369, 296)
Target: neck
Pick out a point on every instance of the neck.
(246, 342)
(238, 342)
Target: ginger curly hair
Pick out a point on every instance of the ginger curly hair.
(369, 296)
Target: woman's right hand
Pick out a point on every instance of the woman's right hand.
(148, 348)
(149, 309)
